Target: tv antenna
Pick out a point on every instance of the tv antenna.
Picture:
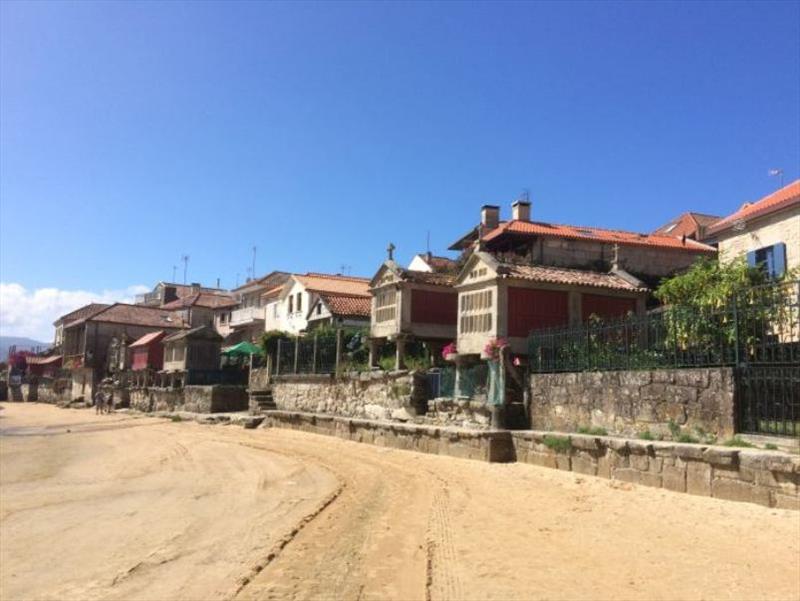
(253, 270)
(776, 173)
(185, 259)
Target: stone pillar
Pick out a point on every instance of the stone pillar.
(400, 353)
(374, 351)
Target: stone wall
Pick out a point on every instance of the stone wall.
(372, 395)
(461, 413)
(197, 399)
(46, 390)
(764, 477)
(699, 401)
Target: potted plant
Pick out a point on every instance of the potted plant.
(493, 349)
(450, 352)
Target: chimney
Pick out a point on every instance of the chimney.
(490, 216)
(521, 210)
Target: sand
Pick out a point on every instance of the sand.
(129, 507)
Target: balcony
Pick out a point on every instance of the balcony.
(246, 316)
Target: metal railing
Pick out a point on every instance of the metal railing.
(758, 326)
(328, 353)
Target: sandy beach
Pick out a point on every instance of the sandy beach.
(129, 507)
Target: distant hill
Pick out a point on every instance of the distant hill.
(22, 344)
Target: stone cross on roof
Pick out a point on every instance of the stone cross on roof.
(615, 260)
(390, 251)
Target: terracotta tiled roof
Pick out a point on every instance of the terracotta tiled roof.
(686, 224)
(272, 292)
(573, 232)
(82, 313)
(336, 284)
(784, 198)
(136, 315)
(559, 275)
(200, 332)
(272, 279)
(202, 299)
(147, 339)
(425, 277)
(344, 305)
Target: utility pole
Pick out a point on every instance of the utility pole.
(185, 259)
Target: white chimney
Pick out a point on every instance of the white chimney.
(521, 210)
(490, 216)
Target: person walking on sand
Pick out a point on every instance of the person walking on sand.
(110, 401)
(99, 402)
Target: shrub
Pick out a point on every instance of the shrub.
(176, 418)
(687, 438)
(737, 441)
(646, 435)
(594, 431)
(771, 447)
(559, 444)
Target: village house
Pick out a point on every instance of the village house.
(166, 292)
(75, 315)
(339, 311)
(43, 366)
(189, 355)
(245, 322)
(413, 304)
(649, 257)
(89, 341)
(290, 309)
(766, 232)
(691, 225)
(201, 308)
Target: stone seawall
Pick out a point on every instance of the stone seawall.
(370, 395)
(197, 399)
(764, 477)
(698, 401)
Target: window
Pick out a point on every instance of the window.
(299, 302)
(319, 308)
(772, 259)
(291, 305)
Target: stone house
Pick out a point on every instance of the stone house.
(339, 311)
(689, 224)
(766, 232)
(87, 341)
(166, 292)
(245, 321)
(193, 350)
(499, 299)
(410, 304)
(648, 257)
(72, 316)
(202, 308)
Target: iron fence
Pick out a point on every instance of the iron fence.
(314, 354)
(758, 326)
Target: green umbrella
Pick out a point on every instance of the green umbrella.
(243, 349)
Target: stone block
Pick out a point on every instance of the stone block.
(698, 478)
(735, 490)
(650, 479)
(689, 451)
(784, 501)
(584, 464)
(626, 475)
(720, 456)
(586, 443)
(640, 462)
(674, 478)
(638, 447)
(564, 462)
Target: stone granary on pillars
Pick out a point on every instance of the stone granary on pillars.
(500, 299)
(648, 257)
(410, 304)
(87, 340)
(190, 354)
(147, 353)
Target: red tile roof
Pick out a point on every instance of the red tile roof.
(573, 232)
(135, 315)
(202, 299)
(82, 313)
(272, 279)
(347, 306)
(34, 360)
(147, 339)
(560, 275)
(786, 197)
(335, 284)
(686, 224)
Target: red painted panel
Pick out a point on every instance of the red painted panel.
(139, 358)
(530, 309)
(605, 306)
(434, 307)
(157, 355)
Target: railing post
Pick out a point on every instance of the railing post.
(278, 359)
(296, 351)
(314, 357)
(338, 350)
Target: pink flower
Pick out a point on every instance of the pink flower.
(450, 349)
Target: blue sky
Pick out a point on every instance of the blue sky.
(131, 133)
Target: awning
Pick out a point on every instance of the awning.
(243, 349)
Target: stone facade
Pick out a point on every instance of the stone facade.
(763, 477)
(197, 399)
(700, 401)
(47, 390)
(462, 413)
(783, 226)
(373, 395)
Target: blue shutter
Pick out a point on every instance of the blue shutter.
(779, 259)
(751, 258)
